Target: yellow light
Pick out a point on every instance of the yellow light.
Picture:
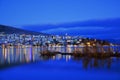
(93, 44)
(88, 43)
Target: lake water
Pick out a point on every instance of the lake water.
(27, 64)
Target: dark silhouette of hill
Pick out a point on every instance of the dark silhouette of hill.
(10, 30)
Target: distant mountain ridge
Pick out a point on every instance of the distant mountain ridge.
(114, 41)
(100, 28)
(10, 30)
(115, 22)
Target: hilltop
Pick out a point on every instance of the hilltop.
(10, 30)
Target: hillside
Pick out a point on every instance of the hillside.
(9, 30)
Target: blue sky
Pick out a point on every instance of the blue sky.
(24, 13)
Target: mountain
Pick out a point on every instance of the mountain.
(115, 22)
(10, 30)
(114, 41)
(96, 28)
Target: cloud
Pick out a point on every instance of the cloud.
(77, 28)
(96, 28)
(89, 23)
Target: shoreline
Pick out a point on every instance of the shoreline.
(90, 55)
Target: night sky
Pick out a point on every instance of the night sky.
(92, 18)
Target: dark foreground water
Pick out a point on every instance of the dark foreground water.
(27, 64)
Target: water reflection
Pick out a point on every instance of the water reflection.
(18, 54)
(96, 63)
(86, 62)
(26, 54)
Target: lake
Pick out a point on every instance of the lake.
(25, 63)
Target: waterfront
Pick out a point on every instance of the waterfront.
(29, 53)
(17, 53)
(17, 63)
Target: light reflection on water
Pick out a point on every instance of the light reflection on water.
(23, 54)
(60, 67)
(19, 54)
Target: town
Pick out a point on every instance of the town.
(51, 42)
